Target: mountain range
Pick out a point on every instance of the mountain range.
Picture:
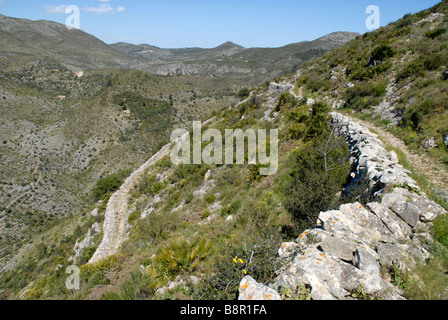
(25, 41)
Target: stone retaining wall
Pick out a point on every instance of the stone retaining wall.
(352, 249)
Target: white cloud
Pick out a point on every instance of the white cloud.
(56, 9)
(104, 8)
(101, 9)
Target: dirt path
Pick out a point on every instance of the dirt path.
(116, 216)
(423, 164)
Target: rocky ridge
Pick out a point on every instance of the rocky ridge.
(353, 249)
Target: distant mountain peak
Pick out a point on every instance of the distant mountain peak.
(340, 36)
(230, 44)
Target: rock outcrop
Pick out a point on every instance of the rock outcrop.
(353, 249)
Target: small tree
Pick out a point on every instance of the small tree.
(244, 93)
(318, 174)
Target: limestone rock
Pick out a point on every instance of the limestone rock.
(277, 89)
(342, 249)
(400, 230)
(408, 212)
(251, 290)
(430, 144)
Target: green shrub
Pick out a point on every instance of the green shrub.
(382, 52)
(435, 33)
(364, 95)
(318, 172)
(286, 101)
(414, 114)
(231, 209)
(149, 185)
(135, 215)
(434, 61)
(361, 73)
(210, 199)
(440, 229)
(414, 69)
(256, 255)
(316, 83)
(179, 255)
(244, 93)
(406, 21)
(109, 184)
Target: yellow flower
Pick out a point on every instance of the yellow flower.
(235, 259)
(241, 261)
(245, 271)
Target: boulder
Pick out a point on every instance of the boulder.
(277, 89)
(342, 249)
(408, 212)
(400, 230)
(252, 290)
(430, 144)
(391, 254)
(367, 260)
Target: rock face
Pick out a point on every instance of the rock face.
(354, 248)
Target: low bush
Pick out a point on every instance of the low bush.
(414, 69)
(382, 52)
(435, 33)
(318, 172)
(180, 255)
(109, 184)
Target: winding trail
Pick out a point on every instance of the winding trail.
(115, 226)
(116, 216)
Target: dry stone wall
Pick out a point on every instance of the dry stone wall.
(352, 249)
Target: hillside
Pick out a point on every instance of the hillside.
(252, 65)
(78, 129)
(356, 210)
(25, 42)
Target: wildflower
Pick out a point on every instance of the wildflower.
(235, 259)
(245, 271)
(241, 261)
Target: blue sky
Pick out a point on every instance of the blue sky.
(208, 23)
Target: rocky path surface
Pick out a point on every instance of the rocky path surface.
(117, 214)
(115, 226)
